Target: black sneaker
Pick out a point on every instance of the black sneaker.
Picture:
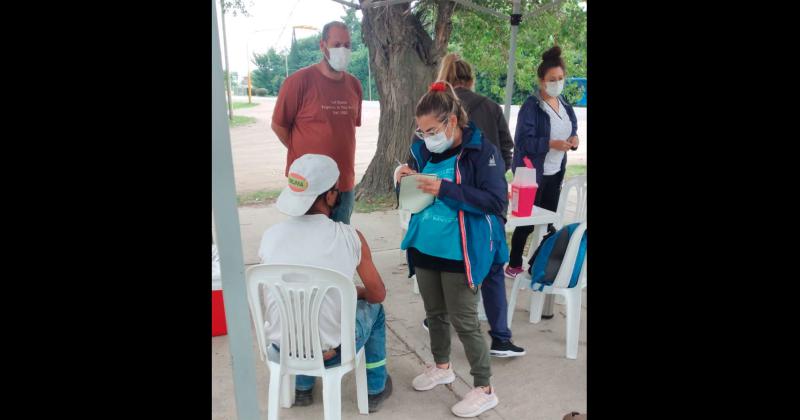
(425, 324)
(376, 400)
(303, 398)
(505, 349)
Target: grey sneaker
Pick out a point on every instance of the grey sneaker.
(475, 403)
(434, 376)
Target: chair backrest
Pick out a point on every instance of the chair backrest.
(299, 290)
(564, 275)
(578, 183)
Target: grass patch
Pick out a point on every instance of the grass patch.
(257, 197)
(572, 170)
(239, 120)
(377, 203)
(364, 205)
(240, 105)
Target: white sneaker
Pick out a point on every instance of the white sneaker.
(475, 402)
(433, 376)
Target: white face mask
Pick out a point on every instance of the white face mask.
(339, 58)
(554, 88)
(439, 142)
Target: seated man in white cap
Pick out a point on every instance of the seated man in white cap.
(310, 237)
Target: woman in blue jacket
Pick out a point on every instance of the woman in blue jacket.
(546, 129)
(452, 244)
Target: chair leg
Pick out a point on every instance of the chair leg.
(292, 384)
(274, 393)
(361, 383)
(537, 304)
(332, 396)
(287, 391)
(512, 301)
(573, 321)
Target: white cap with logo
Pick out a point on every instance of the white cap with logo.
(309, 176)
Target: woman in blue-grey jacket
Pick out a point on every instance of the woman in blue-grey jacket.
(546, 129)
(452, 244)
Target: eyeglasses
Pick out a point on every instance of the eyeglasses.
(421, 134)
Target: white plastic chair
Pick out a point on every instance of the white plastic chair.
(578, 183)
(405, 219)
(559, 287)
(298, 291)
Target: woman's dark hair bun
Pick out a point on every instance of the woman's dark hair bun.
(552, 54)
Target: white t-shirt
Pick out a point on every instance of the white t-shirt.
(560, 129)
(312, 240)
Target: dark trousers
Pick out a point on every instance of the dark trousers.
(547, 198)
(493, 290)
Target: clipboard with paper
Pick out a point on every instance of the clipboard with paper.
(412, 198)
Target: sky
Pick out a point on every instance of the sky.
(273, 19)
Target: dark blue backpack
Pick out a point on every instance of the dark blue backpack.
(546, 261)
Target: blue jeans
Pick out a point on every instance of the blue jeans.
(495, 305)
(371, 335)
(345, 209)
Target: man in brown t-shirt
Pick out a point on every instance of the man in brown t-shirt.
(318, 110)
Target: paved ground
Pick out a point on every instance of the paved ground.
(259, 158)
(542, 385)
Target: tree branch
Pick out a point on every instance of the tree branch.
(540, 10)
(384, 3)
(481, 8)
(444, 26)
(349, 4)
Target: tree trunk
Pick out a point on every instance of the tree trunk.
(405, 60)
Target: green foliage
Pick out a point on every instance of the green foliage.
(573, 93)
(270, 71)
(271, 67)
(483, 40)
(304, 53)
